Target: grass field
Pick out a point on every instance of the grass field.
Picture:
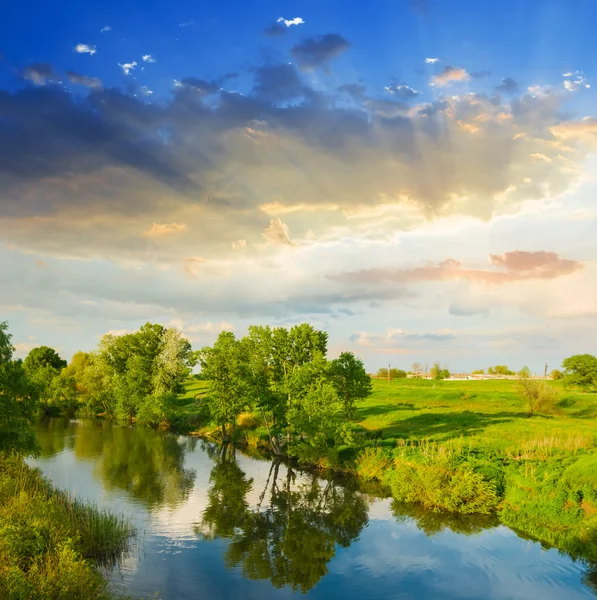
(487, 409)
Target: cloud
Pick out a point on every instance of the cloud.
(402, 91)
(90, 82)
(127, 67)
(508, 86)
(449, 75)
(148, 58)
(85, 49)
(319, 51)
(97, 170)
(278, 82)
(145, 90)
(518, 266)
(480, 74)
(187, 23)
(159, 230)
(575, 81)
(39, 74)
(277, 232)
(290, 22)
(470, 307)
(275, 29)
(105, 29)
(430, 61)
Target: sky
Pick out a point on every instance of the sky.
(416, 177)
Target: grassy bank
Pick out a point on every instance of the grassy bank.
(51, 545)
(471, 447)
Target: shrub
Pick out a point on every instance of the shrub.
(437, 488)
(372, 463)
(540, 397)
(247, 420)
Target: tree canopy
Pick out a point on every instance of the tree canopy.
(581, 370)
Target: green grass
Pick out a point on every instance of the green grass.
(51, 544)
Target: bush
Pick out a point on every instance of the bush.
(372, 463)
(540, 397)
(437, 488)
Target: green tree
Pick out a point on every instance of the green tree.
(43, 366)
(397, 373)
(226, 366)
(524, 372)
(438, 373)
(351, 381)
(556, 374)
(580, 370)
(17, 402)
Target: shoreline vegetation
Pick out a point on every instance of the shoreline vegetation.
(522, 451)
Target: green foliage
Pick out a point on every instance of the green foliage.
(500, 370)
(226, 367)
(372, 463)
(525, 372)
(438, 488)
(137, 375)
(17, 401)
(556, 374)
(50, 544)
(351, 381)
(539, 396)
(581, 370)
(478, 372)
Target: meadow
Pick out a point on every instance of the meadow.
(471, 447)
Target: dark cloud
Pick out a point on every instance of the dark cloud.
(519, 260)
(90, 82)
(200, 86)
(315, 52)
(355, 90)
(508, 86)
(278, 82)
(274, 30)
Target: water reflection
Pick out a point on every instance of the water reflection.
(215, 523)
(291, 534)
(147, 464)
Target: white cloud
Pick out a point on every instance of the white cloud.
(148, 58)
(127, 67)
(105, 29)
(146, 91)
(289, 22)
(278, 232)
(430, 61)
(450, 75)
(161, 229)
(239, 244)
(187, 23)
(575, 81)
(85, 48)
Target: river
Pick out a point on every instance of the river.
(215, 523)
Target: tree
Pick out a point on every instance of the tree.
(43, 366)
(478, 372)
(524, 372)
(17, 402)
(555, 374)
(351, 381)
(397, 374)
(540, 397)
(580, 370)
(383, 373)
(438, 373)
(417, 370)
(226, 366)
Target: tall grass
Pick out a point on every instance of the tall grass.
(51, 543)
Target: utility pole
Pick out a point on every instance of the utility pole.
(545, 372)
(388, 373)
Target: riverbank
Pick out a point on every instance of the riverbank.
(52, 545)
(471, 447)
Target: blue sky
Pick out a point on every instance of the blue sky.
(416, 177)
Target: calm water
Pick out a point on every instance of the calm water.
(215, 525)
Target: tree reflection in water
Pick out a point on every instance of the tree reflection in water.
(291, 534)
(147, 464)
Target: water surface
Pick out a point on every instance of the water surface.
(218, 524)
